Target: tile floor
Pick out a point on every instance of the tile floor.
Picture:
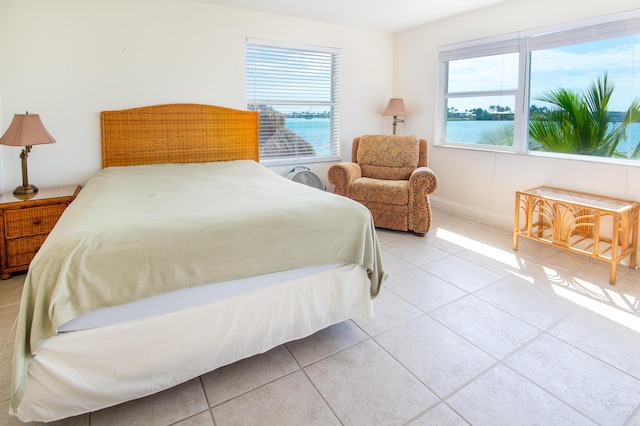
(466, 332)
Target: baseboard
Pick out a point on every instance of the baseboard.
(489, 218)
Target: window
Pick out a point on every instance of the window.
(572, 90)
(296, 91)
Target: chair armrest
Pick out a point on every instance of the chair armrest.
(423, 180)
(422, 183)
(342, 175)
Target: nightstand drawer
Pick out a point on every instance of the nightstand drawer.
(32, 221)
(21, 251)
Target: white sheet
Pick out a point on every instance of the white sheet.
(91, 369)
(184, 299)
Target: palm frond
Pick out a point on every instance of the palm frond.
(499, 136)
(581, 123)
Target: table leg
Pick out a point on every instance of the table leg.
(615, 243)
(634, 218)
(612, 273)
(516, 224)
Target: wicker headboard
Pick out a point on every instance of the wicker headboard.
(178, 133)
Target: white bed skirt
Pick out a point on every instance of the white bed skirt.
(87, 370)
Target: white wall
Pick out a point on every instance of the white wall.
(481, 184)
(67, 60)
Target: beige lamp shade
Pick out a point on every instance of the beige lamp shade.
(396, 108)
(26, 130)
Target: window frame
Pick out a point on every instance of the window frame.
(333, 105)
(583, 31)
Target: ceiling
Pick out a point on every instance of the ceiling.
(389, 15)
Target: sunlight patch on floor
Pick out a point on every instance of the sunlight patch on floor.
(504, 257)
(612, 304)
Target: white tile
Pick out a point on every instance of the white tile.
(290, 400)
(424, 290)
(6, 356)
(364, 385)
(603, 393)
(635, 419)
(7, 420)
(569, 265)
(440, 238)
(486, 326)
(530, 298)
(393, 264)
(203, 419)
(474, 230)
(440, 358)
(415, 251)
(386, 236)
(163, 408)
(242, 376)
(11, 290)
(326, 342)
(498, 261)
(503, 397)
(389, 311)
(603, 338)
(8, 320)
(529, 250)
(461, 273)
(439, 415)
(629, 286)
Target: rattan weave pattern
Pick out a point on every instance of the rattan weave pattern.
(178, 133)
(21, 250)
(33, 221)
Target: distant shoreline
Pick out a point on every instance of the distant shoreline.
(616, 116)
(308, 115)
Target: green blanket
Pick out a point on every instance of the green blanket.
(135, 232)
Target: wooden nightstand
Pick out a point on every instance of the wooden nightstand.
(25, 224)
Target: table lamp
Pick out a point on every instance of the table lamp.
(26, 130)
(396, 108)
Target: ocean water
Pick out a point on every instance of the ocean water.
(318, 132)
(471, 132)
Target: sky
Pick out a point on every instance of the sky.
(573, 67)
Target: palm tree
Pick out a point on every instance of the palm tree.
(581, 123)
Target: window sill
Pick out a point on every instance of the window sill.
(540, 154)
(289, 161)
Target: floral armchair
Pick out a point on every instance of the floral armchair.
(389, 175)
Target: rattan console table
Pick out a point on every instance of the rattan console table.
(593, 225)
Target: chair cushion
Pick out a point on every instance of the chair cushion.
(388, 156)
(380, 191)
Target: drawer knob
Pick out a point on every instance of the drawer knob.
(37, 221)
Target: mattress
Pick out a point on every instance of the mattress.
(185, 299)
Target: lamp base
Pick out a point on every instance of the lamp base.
(25, 190)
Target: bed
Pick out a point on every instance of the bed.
(182, 255)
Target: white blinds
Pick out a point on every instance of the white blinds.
(296, 90)
(477, 48)
(624, 24)
(584, 34)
